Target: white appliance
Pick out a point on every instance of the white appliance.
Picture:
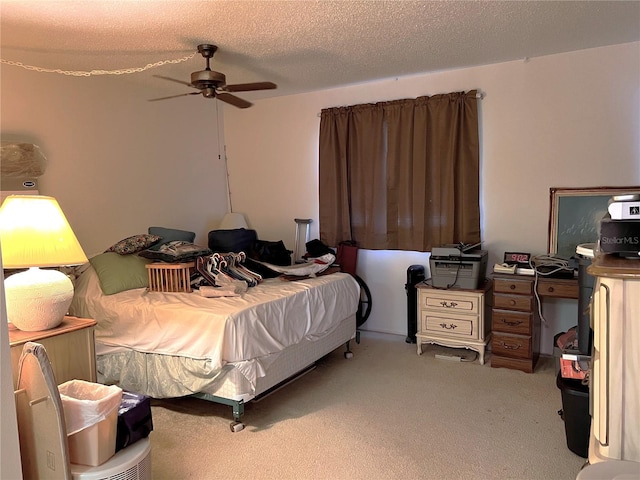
(131, 463)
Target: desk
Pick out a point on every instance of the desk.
(515, 323)
(557, 287)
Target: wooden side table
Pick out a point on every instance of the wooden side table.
(70, 348)
(455, 317)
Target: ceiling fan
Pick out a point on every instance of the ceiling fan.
(213, 84)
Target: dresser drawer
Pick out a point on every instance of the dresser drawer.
(511, 322)
(507, 345)
(447, 302)
(515, 285)
(450, 325)
(558, 288)
(523, 303)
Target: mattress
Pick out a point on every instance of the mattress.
(206, 334)
(165, 376)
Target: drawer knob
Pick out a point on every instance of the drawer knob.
(508, 346)
(451, 326)
(512, 303)
(512, 286)
(446, 304)
(550, 289)
(511, 323)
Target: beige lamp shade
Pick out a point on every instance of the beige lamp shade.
(232, 220)
(35, 233)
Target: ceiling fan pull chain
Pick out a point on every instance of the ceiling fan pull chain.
(75, 73)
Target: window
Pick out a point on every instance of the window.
(401, 175)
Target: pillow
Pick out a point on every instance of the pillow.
(176, 251)
(134, 244)
(118, 273)
(170, 235)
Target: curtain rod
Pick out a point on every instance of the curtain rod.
(479, 96)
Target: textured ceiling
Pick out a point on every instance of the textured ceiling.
(303, 45)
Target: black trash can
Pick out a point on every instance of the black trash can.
(415, 274)
(575, 413)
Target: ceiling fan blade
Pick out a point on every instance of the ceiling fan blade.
(247, 87)
(233, 100)
(174, 80)
(173, 96)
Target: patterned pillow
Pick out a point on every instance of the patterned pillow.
(134, 244)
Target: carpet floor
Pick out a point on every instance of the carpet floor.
(387, 413)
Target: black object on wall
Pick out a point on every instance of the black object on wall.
(415, 275)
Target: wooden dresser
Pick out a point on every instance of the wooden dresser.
(454, 318)
(515, 324)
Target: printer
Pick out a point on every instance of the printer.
(620, 237)
(620, 227)
(458, 265)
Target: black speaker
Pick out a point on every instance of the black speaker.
(415, 275)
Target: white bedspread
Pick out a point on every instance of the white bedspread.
(264, 320)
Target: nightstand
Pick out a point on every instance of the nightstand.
(70, 348)
(454, 317)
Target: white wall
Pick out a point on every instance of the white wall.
(117, 163)
(568, 120)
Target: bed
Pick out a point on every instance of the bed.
(229, 350)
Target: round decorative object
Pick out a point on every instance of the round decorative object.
(37, 299)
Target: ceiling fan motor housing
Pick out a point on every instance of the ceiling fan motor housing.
(207, 78)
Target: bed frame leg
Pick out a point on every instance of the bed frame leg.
(237, 405)
(348, 354)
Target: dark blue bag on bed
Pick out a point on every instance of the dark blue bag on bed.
(235, 240)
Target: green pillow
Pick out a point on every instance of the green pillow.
(118, 273)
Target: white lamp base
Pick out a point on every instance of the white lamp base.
(37, 299)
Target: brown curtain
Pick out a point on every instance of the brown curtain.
(401, 175)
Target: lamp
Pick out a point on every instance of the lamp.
(232, 221)
(35, 233)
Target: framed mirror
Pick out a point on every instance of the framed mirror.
(575, 214)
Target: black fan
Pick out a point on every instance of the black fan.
(213, 84)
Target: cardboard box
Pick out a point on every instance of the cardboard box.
(572, 369)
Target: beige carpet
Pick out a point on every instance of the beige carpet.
(385, 414)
